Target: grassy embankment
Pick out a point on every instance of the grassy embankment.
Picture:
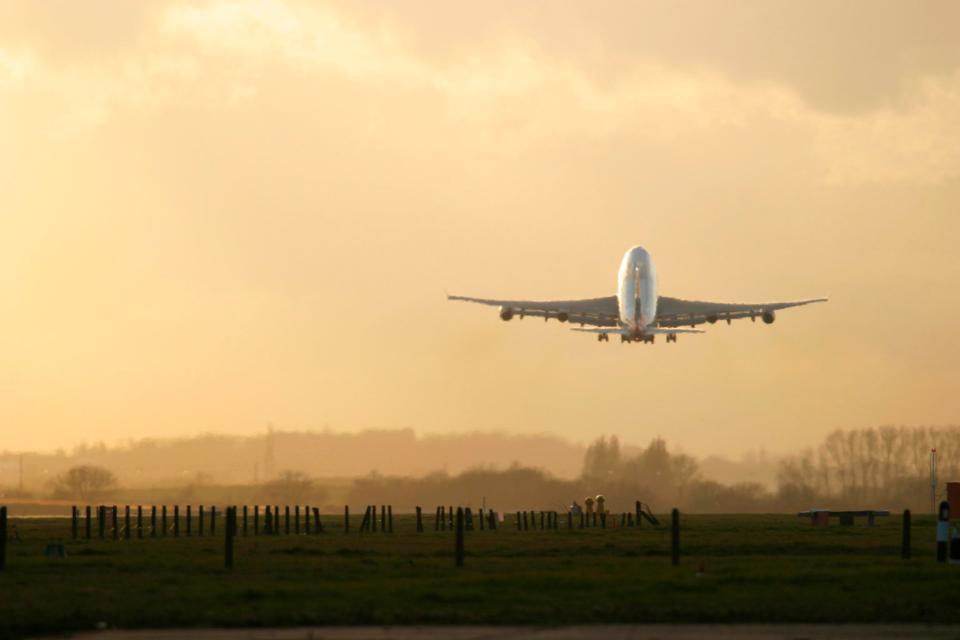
(757, 568)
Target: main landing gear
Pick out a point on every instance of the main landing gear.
(603, 337)
(671, 337)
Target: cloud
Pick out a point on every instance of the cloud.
(511, 88)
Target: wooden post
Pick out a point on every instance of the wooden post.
(675, 537)
(383, 519)
(74, 521)
(256, 519)
(525, 527)
(346, 518)
(126, 522)
(365, 521)
(468, 519)
(306, 519)
(639, 507)
(459, 544)
(276, 519)
(176, 520)
(116, 528)
(3, 538)
(493, 520)
(286, 519)
(569, 519)
(519, 522)
(905, 541)
(480, 518)
(451, 517)
(153, 521)
(443, 517)
(87, 525)
(267, 521)
(541, 520)
(213, 520)
(189, 516)
(101, 520)
(245, 521)
(200, 521)
(163, 521)
(419, 520)
(629, 519)
(389, 518)
(228, 538)
(296, 519)
(139, 520)
(316, 521)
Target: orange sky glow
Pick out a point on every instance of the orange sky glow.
(218, 215)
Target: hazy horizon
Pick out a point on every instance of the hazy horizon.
(220, 214)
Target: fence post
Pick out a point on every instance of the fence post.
(493, 519)
(189, 520)
(139, 520)
(389, 518)
(176, 521)
(228, 539)
(419, 520)
(519, 522)
(296, 519)
(256, 519)
(286, 519)
(101, 520)
(3, 538)
(459, 544)
(87, 524)
(276, 519)
(163, 521)
(905, 540)
(316, 521)
(74, 517)
(267, 521)
(480, 517)
(346, 518)
(126, 522)
(213, 520)
(116, 529)
(306, 519)
(200, 521)
(675, 538)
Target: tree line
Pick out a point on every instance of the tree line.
(881, 467)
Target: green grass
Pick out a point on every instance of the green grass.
(757, 569)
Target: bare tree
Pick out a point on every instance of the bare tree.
(84, 482)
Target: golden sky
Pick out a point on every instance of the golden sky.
(215, 215)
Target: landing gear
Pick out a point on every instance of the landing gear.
(603, 337)
(671, 337)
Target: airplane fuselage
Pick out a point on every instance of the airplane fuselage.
(637, 291)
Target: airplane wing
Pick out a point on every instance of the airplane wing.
(599, 312)
(674, 312)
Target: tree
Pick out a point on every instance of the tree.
(292, 487)
(85, 482)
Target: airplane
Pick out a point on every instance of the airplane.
(637, 313)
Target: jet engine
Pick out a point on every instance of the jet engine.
(712, 319)
(506, 313)
(562, 316)
(769, 317)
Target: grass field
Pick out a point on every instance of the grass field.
(772, 568)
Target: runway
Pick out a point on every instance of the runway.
(606, 632)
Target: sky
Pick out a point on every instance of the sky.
(219, 215)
